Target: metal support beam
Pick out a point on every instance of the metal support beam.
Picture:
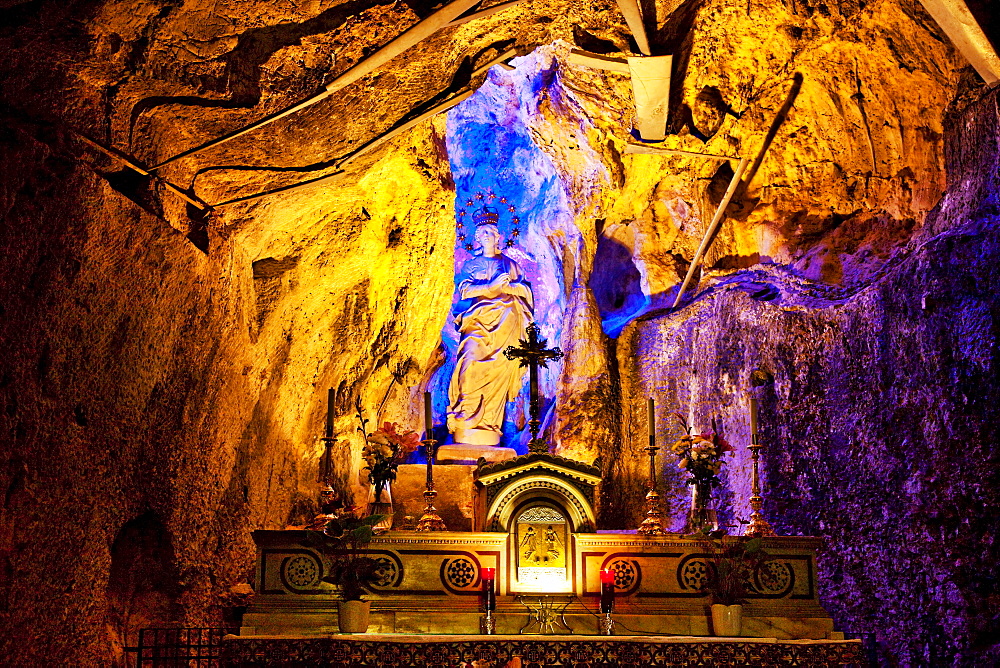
(633, 17)
(968, 37)
(417, 33)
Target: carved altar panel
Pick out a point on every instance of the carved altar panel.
(541, 546)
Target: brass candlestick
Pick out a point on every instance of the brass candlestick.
(653, 524)
(758, 525)
(326, 459)
(430, 520)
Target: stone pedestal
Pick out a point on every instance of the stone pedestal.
(465, 453)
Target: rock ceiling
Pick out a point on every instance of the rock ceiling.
(155, 78)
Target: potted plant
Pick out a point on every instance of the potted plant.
(730, 568)
(344, 541)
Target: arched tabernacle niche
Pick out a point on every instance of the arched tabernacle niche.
(539, 500)
(507, 488)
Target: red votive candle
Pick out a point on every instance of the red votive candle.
(607, 591)
(489, 588)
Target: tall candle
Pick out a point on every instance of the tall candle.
(330, 398)
(753, 419)
(428, 417)
(650, 419)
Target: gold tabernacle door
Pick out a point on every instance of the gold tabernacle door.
(542, 545)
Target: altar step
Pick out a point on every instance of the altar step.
(514, 620)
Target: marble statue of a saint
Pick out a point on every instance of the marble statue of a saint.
(494, 308)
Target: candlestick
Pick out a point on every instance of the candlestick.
(653, 524)
(488, 623)
(430, 520)
(489, 594)
(607, 590)
(606, 624)
(650, 419)
(758, 526)
(325, 473)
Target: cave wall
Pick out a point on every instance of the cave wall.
(170, 369)
(880, 427)
(142, 376)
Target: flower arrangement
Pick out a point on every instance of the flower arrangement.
(701, 456)
(385, 449)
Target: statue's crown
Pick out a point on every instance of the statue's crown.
(486, 216)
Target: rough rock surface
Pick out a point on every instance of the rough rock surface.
(164, 373)
(880, 427)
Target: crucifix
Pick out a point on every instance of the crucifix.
(534, 354)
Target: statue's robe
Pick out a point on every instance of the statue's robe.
(484, 380)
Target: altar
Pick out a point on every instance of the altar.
(534, 535)
(431, 584)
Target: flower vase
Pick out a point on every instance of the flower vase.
(702, 517)
(727, 620)
(353, 616)
(380, 503)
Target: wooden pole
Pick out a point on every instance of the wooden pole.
(383, 138)
(642, 149)
(965, 33)
(377, 141)
(134, 166)
(484, 13)
(716, 220)
(779, 119)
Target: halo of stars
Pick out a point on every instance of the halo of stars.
(479, 200)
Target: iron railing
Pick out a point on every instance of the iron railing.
(191, 647)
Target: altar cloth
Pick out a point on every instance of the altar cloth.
(532, 651)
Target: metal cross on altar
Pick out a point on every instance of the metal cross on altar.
(534, 354)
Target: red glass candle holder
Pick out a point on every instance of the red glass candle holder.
(607, 591)
(489, 589)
